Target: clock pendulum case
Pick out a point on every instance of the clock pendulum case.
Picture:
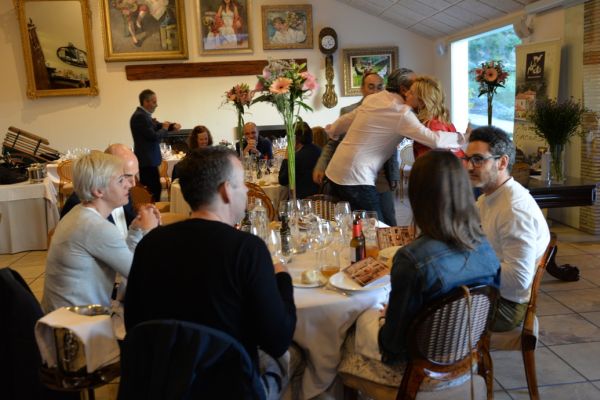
(328, 45)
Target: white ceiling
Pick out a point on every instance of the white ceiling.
(438, 18)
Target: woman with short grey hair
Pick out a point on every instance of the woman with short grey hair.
(87, 250)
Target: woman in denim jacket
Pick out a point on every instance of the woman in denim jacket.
(450, 251)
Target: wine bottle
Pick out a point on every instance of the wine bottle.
(246, 225)
(357, 244)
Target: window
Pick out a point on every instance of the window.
(468, 54)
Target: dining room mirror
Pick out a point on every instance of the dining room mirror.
(57, 46)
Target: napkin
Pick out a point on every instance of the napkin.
(95, 332)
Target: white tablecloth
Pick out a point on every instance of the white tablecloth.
(171, 161)
(27, 212)
(275, 192)
(324, 316)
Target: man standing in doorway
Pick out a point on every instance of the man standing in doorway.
(147, 134)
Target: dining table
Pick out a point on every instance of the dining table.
(28, 211)
(325, 313)
(269, 184)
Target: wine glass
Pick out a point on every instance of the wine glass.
(262, 166)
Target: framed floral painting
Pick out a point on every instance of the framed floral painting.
(382, 60)
(144, 30)
(287, 26)
(224, 26)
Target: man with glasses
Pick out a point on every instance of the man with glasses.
(510, 218)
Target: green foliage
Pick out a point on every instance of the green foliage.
(556, 122)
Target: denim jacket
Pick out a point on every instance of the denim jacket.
(425, 270)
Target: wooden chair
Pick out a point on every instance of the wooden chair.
(165, 179)
(438, 345)
(255, 194)
(65, 183)
(395, 236)
(525, 337)
(324, 205)
(170, 217)
(254, 186)
(140, 196)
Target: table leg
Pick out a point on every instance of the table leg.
(566, 272)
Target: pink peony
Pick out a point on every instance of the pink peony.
(280, 86)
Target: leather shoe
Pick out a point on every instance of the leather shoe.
(566, 272)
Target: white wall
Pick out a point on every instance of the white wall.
(94, 122)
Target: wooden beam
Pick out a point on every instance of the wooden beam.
(197, 70)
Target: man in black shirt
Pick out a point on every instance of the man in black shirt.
(205, 271)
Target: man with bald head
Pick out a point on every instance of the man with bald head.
(121, 216)
(255, 144)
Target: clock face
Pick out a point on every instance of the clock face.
(328, 42)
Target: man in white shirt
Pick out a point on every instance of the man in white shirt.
(373, 132)
(511, 220)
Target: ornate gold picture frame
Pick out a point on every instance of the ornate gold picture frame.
(287, 26)
(382, 60)
(151, 30)
(224, 27)
(57, 47)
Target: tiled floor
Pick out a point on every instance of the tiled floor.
(568, 365)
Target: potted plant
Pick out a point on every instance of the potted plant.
(557, 122)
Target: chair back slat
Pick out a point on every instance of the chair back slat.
(537, 280)
(324, 205)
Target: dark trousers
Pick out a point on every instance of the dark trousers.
(360, 197)
(388, 209)
(150, 177)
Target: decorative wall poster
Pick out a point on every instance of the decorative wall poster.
(537, 69)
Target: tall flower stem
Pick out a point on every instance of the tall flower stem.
(490, 98)
(290, 130)
(240, 132)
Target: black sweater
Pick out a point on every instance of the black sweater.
(210, 273)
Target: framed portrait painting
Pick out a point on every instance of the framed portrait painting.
(382, 60)
(144, 30)
(287, 26)
(224, 26)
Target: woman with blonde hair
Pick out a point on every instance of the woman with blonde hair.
(427, 99)
(87, 251)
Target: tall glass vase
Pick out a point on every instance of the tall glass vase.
(490, 98)
(240, 133)
(557, 167)
(290, 129)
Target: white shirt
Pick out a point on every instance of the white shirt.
(519, 234)
(373, 132)
(118, 215)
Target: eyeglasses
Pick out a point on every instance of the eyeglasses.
(477, 160)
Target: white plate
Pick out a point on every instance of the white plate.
(298, 283)
(343, 281)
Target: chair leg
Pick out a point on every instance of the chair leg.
(486, 371)
(411, 381)
(530, 374)
(350, 393)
